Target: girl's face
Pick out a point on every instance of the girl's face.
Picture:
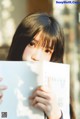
(32, 52)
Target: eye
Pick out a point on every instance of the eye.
(48, 51)
(32, 44)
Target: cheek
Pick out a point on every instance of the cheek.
(47, 57)
(27, 53)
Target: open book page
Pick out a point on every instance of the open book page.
(21, 80)
(56, 76)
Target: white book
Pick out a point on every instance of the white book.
(23, 77)
(56, 76)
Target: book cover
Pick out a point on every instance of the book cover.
(23, 77)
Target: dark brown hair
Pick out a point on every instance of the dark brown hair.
(29, 27)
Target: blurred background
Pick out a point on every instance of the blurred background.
(68, 15)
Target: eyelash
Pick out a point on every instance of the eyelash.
(32, 44)
(48, 51)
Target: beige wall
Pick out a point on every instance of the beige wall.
(39, 6)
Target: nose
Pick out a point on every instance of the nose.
(37, 55)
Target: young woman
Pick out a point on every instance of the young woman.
(39, 37)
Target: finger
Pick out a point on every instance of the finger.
(40, 93)
(45, 89)
(40, 106)
(41, 88)
(3, 87)
(40, 100)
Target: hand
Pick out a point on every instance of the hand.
(44, 100)
(2, 88)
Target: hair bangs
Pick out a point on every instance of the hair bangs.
(47, 41)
